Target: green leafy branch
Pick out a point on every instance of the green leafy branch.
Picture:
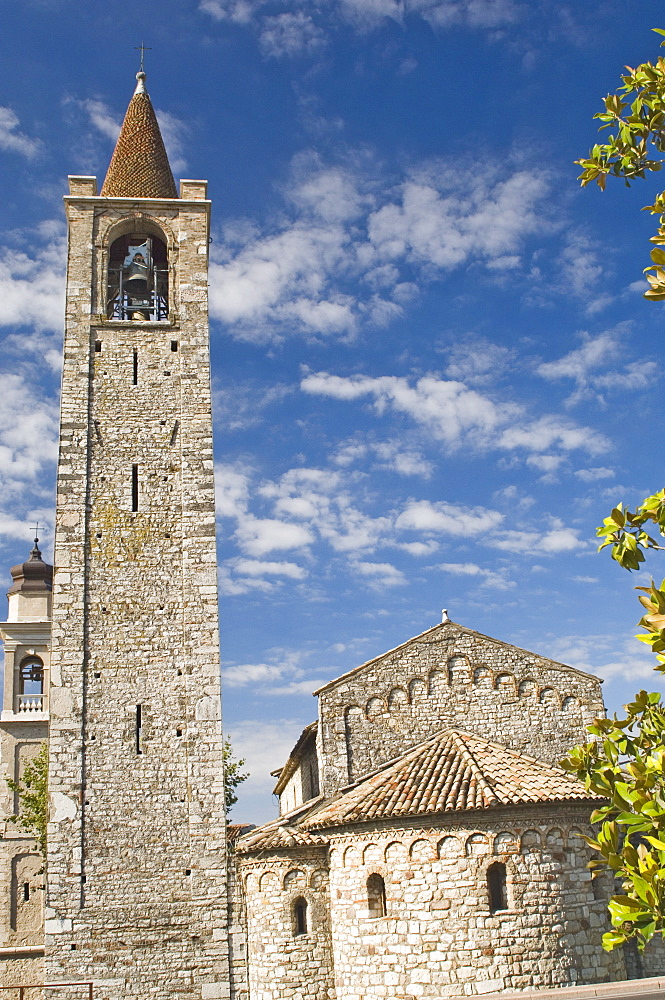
(625, 765)
(32, 793)
(233, 775)
(624, 531)
(637, 112)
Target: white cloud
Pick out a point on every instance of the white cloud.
(11, 139)
(259, 536)
(319, 496)
(605, 655)
(365, 15)
(476, 360)
(255, 567)
(32, 287)
(553, 431)
(290, 34)
(458, 415)
(264, 746)
(249, 674)
(418, 549)
(230, 585)
(231, 490)
(28, 432)
(584, 366)
(486, 577)
(379, 574)
(549, 541)
(344, 251)
(175, 133)
(28, 453)
(392, 455)
(581, 269)
(594, 474)
(444, 222)
(101, 116)
(281, 280)
(448, 408)
(448, 519)
(237, 11)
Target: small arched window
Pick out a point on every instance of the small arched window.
(138, 278)
(300, 916)
(31, 676)
(376, 896)
(497, 888)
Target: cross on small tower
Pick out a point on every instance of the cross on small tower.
(143, 49)
(36, 532)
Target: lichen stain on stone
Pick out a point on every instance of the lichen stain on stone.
(124, 534)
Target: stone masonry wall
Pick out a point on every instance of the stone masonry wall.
(237, 931)
(284, 964)
(303, 783)
(21, 881)
(137, 877)
(451, 676)
(438, 937)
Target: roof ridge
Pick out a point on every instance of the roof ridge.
(478, 771)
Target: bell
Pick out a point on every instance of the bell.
(135, 279)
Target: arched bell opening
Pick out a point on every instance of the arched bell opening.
(138, 278)
(31, 685)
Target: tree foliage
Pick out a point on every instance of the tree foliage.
(32, 792)
(625, 763)
(233, 775)
(636, 113)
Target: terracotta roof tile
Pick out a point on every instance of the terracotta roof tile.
(278, 833)
(450, 771)
(139, 166)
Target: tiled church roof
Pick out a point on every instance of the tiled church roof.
(450, 771)
(139, 166)
(276, 834)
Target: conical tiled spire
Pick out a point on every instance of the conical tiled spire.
(139, 166)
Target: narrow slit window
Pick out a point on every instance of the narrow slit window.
(376, 896)
(26, 891)
(300, 916)
(135, 368)
(135, 488)
(497, 888)
(139, 728)
(98, 347)
(174, 346)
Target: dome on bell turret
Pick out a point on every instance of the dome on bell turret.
(32, 576)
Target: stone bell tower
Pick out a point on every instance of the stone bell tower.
(136, 897)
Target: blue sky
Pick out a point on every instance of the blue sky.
(433, 369)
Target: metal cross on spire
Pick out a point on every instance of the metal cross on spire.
(143, 49)
(36, 532)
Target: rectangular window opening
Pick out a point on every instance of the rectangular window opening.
(98, 347)
(135, 488)
(26, 891)
(135, 371)
(174, 346)
(139, 750)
